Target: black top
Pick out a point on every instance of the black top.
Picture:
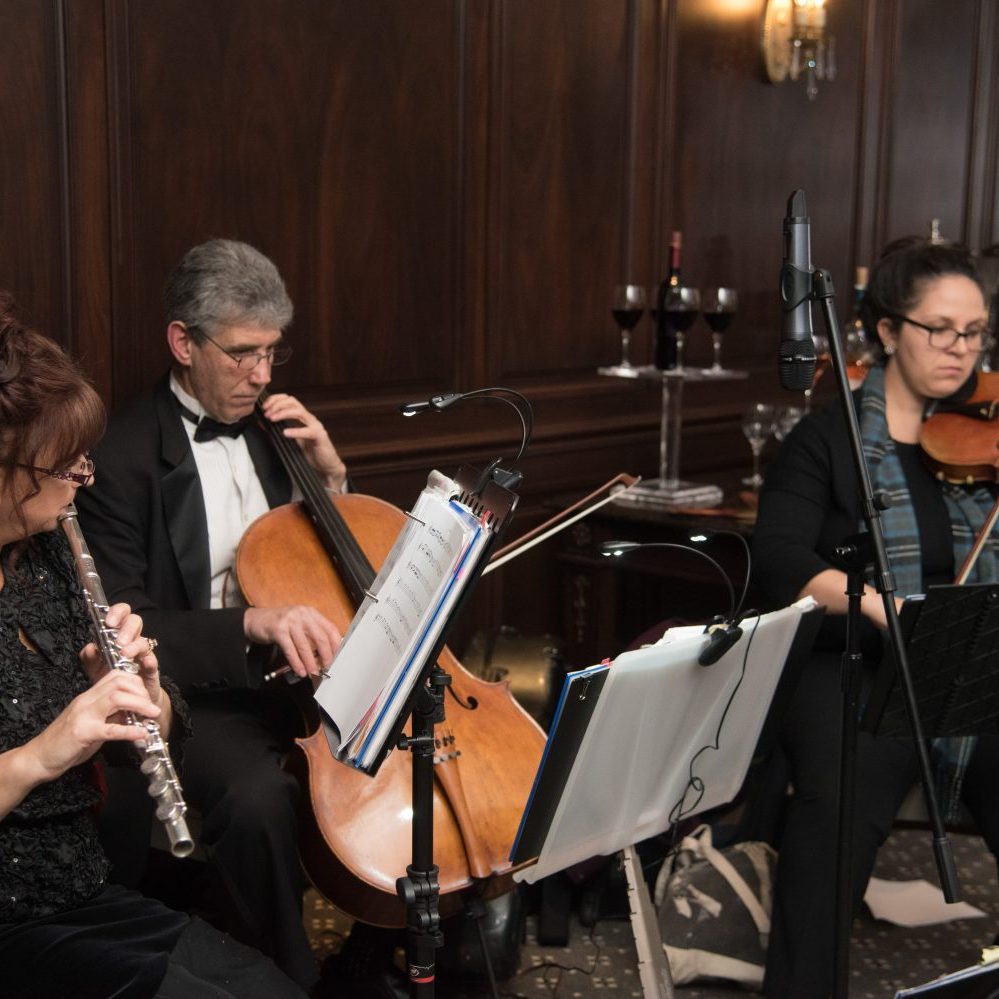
(935, 544)
(810, 503)
(49, 853)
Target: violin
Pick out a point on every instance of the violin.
(960, 442)
(356, 831)
(961, 439)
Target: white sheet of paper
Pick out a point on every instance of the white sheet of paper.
(394, 620)
(914, 903)
(658, 709)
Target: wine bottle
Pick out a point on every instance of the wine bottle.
(665, 354)
(855, 339)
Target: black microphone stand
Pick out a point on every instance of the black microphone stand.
(858, 553)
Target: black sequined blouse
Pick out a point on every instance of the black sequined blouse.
(50, 858)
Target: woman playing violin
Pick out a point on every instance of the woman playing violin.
(65, 929)
(926, 305)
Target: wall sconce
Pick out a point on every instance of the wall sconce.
(795, 43)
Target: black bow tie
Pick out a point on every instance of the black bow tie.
(207, 429)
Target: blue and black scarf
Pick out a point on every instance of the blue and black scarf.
(967, 509)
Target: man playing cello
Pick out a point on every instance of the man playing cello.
(185, 471)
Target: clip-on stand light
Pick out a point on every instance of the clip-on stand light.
(487, 491)
(858, 553)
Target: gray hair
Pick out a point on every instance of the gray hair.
(225, 283)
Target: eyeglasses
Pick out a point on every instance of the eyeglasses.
(944, 337)
(249, 359)
(80, 472)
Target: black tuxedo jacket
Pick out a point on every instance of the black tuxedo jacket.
(145, 524)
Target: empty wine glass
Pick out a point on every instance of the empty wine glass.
(719, 306)
(758, 423)
(787, 417)
(627, 308)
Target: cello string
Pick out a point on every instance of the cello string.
(355, 564)
(323, 510)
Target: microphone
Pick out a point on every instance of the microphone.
(796, 358)
(435, 402)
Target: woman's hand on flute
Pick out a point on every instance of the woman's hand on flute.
(136, 647)
(83, 726)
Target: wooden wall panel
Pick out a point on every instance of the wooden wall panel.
(452, 188)
(88, 233)
(933, 89)
(32, 137)
(326, 135)
(740, 150)
(561, 169)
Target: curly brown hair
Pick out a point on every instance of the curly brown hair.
(50, 414)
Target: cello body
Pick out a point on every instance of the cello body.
(356, 837)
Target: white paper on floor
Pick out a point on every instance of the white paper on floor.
(914, 903)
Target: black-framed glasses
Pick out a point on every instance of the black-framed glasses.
(249, 359)
(944, 337)
(81, 472)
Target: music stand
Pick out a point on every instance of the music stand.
(980, 981)
(493, 505)
(952, 640)
(639, 752)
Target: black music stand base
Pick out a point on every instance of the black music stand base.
(857, 554)
(420, 889)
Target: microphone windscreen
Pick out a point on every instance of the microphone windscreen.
(796, 364)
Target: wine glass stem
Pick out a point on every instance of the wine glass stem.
(757, 447)
(716, 340)
(679, 351)
(625, 344)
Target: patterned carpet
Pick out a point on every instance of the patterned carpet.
(601, 962)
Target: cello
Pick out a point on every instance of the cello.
(356, 832)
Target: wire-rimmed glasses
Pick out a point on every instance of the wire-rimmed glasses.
(81, 471)
(247, 360)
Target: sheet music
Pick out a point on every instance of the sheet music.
(398, 622)
(577, 701)
(657, 709)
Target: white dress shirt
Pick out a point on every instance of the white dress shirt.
(233, 497)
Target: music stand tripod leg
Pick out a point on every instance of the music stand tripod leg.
(856, 554)
(420, 889)
(653, 968)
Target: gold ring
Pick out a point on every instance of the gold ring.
(151, 644)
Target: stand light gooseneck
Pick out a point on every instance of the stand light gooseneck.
(858, 553)
(509, 478)
(420, 888)
(722, 632)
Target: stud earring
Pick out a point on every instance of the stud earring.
(889, 349)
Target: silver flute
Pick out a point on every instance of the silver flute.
(156, 763)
